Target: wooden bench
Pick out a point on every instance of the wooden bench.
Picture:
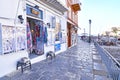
(50, 55)
(23, 64)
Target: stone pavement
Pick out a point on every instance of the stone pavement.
(80, 62)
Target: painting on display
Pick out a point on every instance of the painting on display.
(8, 39)
(58, 36)
(50, 38)
(58, 33)
(63, 37)
(21, 38)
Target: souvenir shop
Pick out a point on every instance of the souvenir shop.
(36, 31)
(24, 34)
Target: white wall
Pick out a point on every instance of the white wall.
(8, 62)
(64, 23)
(9, 8)
(9, 16)
(48, 48)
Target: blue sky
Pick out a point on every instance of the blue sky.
(103, 13)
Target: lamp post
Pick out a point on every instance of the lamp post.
(90, 30)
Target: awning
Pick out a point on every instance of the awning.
(76, 7)
(73, 23)
(56, 4)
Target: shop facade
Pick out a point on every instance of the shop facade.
(56, 33)
(47, 26)
(72, 21)
(30, 28)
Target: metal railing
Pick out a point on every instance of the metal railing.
(113, 66)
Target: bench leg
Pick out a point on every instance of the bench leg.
(30, 65)
(17, 67)
(22, 68)
(18, 64)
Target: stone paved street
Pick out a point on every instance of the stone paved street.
(80, 62)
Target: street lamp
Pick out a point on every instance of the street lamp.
(90, 30)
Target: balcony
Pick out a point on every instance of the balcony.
(76, 7)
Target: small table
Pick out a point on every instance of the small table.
(23, 65)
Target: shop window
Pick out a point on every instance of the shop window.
(8, 39)
(58, 33)
(13, 39)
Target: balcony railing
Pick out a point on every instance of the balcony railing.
(113, 66)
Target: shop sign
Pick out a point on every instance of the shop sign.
(57, 47)
(31, 11)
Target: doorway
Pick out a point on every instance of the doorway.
(69, 34)
(35, 42)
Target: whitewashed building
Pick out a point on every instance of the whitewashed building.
(36, 24)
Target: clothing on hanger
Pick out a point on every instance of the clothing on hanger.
(29, 37)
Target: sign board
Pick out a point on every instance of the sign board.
(31, 11)
(57, 47)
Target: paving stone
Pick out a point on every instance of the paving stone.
(99, 66)
(99, 72)
(97, 61)
(76, 63)
(97, 77)
(97, 57)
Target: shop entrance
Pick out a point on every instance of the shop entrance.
(35, 38)
(69, 34)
